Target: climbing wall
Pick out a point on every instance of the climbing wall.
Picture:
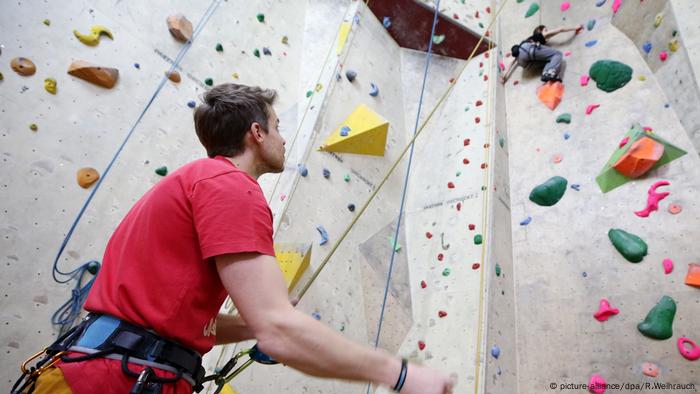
(564, 262)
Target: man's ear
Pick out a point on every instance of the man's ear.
(257, 132)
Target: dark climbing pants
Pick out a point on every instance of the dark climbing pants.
(531, 53)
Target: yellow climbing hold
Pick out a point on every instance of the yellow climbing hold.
(673, 45)
(642, 78)
(50, 85)
(366, 135)
(47, 22)
(318, 87)
(228, 389)
(343, 36)
(93, 38)
(293, 260)
(658, 19)
(33, 127)
(235, 75)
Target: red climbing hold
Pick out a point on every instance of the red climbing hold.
(477, 119)
(455, 16)
(476, 266)
(465, 161)
(452, 80)
(450, 185)
(472, 227)
(476, 14)
(478, 103)
(459, 206)
(484, 165)
(488, 10)
(481, 64)
(423, 285)
(486, 55)
(467, 141)
(428, 234)
(421, 345)
(440, 256)
(486, 77)
(442, 314)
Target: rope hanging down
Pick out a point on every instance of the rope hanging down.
(68, 313)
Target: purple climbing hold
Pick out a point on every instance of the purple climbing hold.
(266, 51)
(316, 315)
(526, 221)
(351, 207)
(591, 43)
(646, 47)
(191, 104)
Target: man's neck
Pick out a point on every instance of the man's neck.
(246, 163)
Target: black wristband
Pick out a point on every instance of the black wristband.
(402, 376)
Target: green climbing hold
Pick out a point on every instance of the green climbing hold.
(261, 17)
(446, 272)
(209, 82)
(520, 1)
(481, 25)
(162, 171)
(93, 267)
(590, 25)
(498, 270)
(550, 192)
(219, 47)
(501, 142)
(659, 321)
(458, 173)
(309, 93)
(256, 52)
(396, 245)
(564, 118)
(478, 239)
(610, 75)
(629, 245)
(346, 178)
(534, 7)
(438, 39)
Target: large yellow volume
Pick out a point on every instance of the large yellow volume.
(228, 389)
(366, 135)
(293, 260)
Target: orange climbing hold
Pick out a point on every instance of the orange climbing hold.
(693, 277)
(639, 159)
(87, 176)
(550, 94)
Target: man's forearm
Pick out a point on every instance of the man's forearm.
(231, 328)
(307, 345)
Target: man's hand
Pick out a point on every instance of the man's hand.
(423, 380)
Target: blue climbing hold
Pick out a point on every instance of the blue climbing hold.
(576, 186)
(667, 105)
(351, 207)
(567, 136)
(526, 221)
(591, 43)
(584, 274)
(350, 75)
(338, 77)
(303, 170)
(373, 90)
(495, 351)
(316, 315)
(647, 47)
(386, 22)
(191, 104)
(324, 235)
(266, 51)
(326, 173)
(344, 131)
(600, 3)
(138, 66)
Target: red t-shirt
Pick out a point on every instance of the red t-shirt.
(158, 270)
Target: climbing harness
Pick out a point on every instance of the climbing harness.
(104, 336)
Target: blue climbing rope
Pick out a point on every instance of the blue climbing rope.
(405, 183)
(66, 315)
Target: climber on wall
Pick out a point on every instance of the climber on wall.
(200, 234)
(533, 50)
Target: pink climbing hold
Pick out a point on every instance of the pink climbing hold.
(648, 129)
(616, 6)
(653, 199)
(567, 53)
(502, 66)
(675, 209)
(596, 384)
(663, 55)
(668, 266)
(591, 107)
(584, 80)
(605, 311)
(624, 141)
(565, 6)
(691, 354)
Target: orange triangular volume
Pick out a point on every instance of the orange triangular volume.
(550, 94)
(639, 158)
(693, 277)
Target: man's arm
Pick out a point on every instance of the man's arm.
(551, 33)
(513, 64)
(230, 328)
(259, 291)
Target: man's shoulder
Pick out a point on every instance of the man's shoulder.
(218, 168)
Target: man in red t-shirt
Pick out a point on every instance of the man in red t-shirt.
(200, 234)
